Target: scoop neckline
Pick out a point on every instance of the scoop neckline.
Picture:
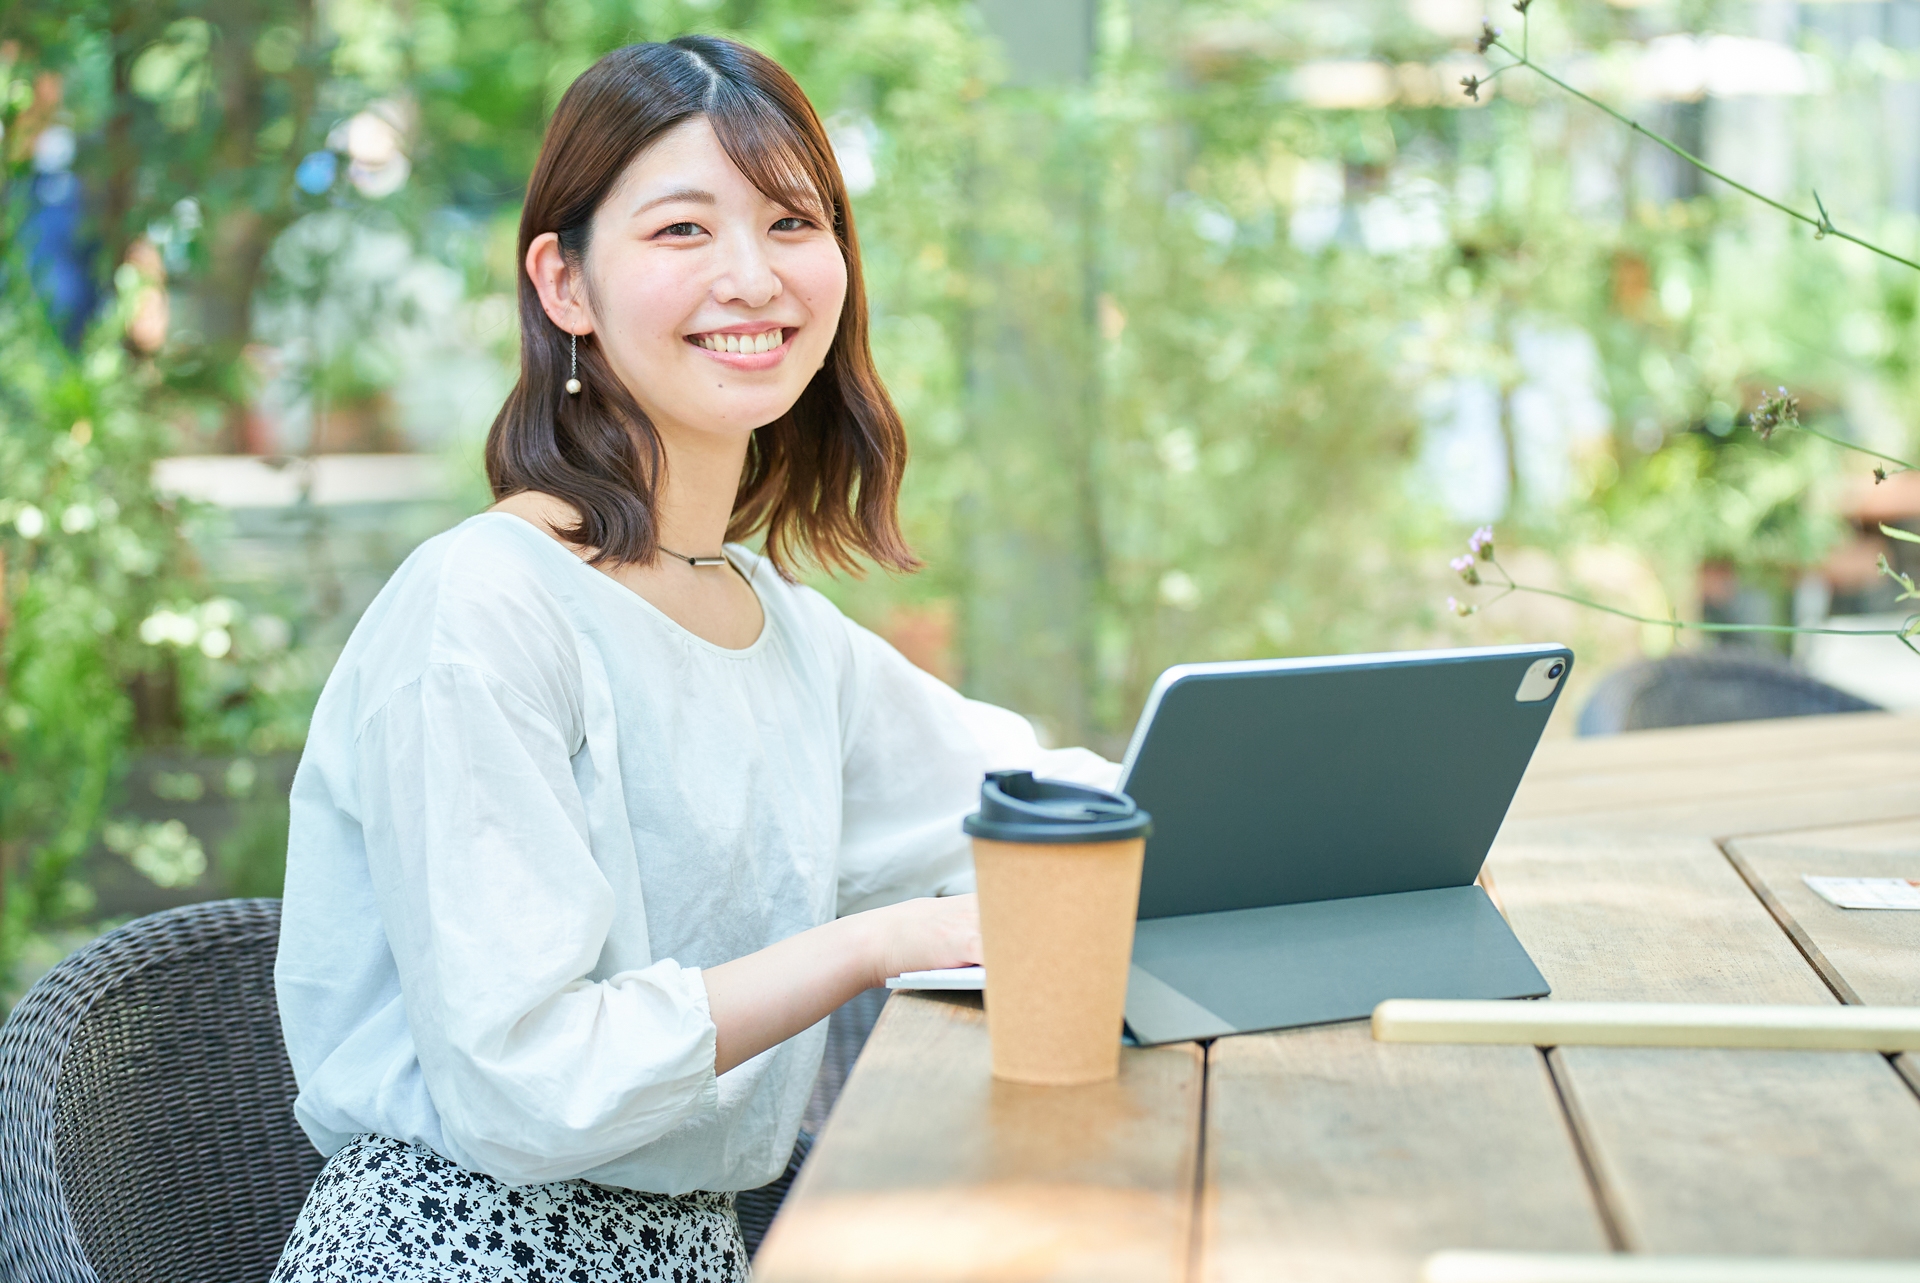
(733, 553)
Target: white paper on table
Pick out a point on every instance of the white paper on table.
(1866, 893)
(942, 978)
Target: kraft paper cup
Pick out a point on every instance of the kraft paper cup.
(1058, 871)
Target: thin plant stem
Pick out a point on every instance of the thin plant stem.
(1901, 464)
(1822, 226)
(1511, 586)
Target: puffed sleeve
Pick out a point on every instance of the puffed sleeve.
(914, 753)
(476, 835)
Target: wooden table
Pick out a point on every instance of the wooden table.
(1661, 866)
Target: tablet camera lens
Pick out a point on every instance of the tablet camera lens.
(1556, 670)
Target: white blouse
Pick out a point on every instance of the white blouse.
(532, 807)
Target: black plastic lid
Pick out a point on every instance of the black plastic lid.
(1015, 807)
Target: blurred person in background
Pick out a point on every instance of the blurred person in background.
(601, 813)
(54, 232)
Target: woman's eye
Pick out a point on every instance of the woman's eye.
(792, 223)
(682, 229)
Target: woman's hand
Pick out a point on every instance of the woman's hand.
(920, 935)
(767, 997)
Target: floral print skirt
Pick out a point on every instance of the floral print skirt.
(390, 1212)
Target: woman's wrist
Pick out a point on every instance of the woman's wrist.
(865, 941)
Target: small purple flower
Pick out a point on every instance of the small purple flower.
(1776, 410)
(1879, 474)
(1488, 34)
(1481, 544)
(1460, 608)
(1464, 566)
(1520, 6)
(1471, 84)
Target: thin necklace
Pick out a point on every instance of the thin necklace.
(693, 561)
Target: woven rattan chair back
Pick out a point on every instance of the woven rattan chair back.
(1696, 689)
(146, 1108)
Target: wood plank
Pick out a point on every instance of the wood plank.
(1633, 918)
(1716, 815)
(1791, 1153)
(1871, 955)
(1710, 1151)
(1719, 781)
(1867, 956)
(1681, 746)
(1333, 1157)
(930, 1170)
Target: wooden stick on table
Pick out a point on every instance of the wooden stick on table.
(1547, 1267)
(1649, 1024)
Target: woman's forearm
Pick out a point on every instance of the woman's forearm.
(767, 997)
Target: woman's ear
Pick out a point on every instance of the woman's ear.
(561, 288)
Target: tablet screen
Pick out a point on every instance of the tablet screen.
(1283, 781)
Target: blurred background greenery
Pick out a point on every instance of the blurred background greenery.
(1216, 325)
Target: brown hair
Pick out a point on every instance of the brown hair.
(822, 480)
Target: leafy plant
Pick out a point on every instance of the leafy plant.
(88, 551)
(1761, 530)
(109, 636)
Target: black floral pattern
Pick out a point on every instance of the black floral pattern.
(391, 1212)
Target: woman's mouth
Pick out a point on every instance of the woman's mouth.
(731, 343)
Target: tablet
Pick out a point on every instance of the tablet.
(1318, 826)
(1291, 780)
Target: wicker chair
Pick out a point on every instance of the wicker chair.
(146, 1108)
(1695, 689)
(146, 1120)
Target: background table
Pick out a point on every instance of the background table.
(1660, 866)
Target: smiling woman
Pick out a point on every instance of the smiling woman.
(688, 226)
(601, 814)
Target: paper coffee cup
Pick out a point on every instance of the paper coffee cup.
(1058, 872)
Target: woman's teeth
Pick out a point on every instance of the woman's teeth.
(743, 343)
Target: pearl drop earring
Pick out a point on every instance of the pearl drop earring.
(573, 367)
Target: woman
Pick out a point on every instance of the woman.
(600, 818)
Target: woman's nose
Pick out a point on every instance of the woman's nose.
(746, 274)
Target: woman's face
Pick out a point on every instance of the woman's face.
(714, 303)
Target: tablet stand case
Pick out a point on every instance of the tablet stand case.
(1318, 829)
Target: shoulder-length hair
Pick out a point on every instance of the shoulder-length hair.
(823, 480)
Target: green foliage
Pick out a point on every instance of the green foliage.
(1736, 500)
(109, 638)
(198, 115)
(1261, 393)
(88, 552)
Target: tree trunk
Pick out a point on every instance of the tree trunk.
(241, 235)
(116, 214)
(1032, 530)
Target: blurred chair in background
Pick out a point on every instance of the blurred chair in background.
(1696, 689)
